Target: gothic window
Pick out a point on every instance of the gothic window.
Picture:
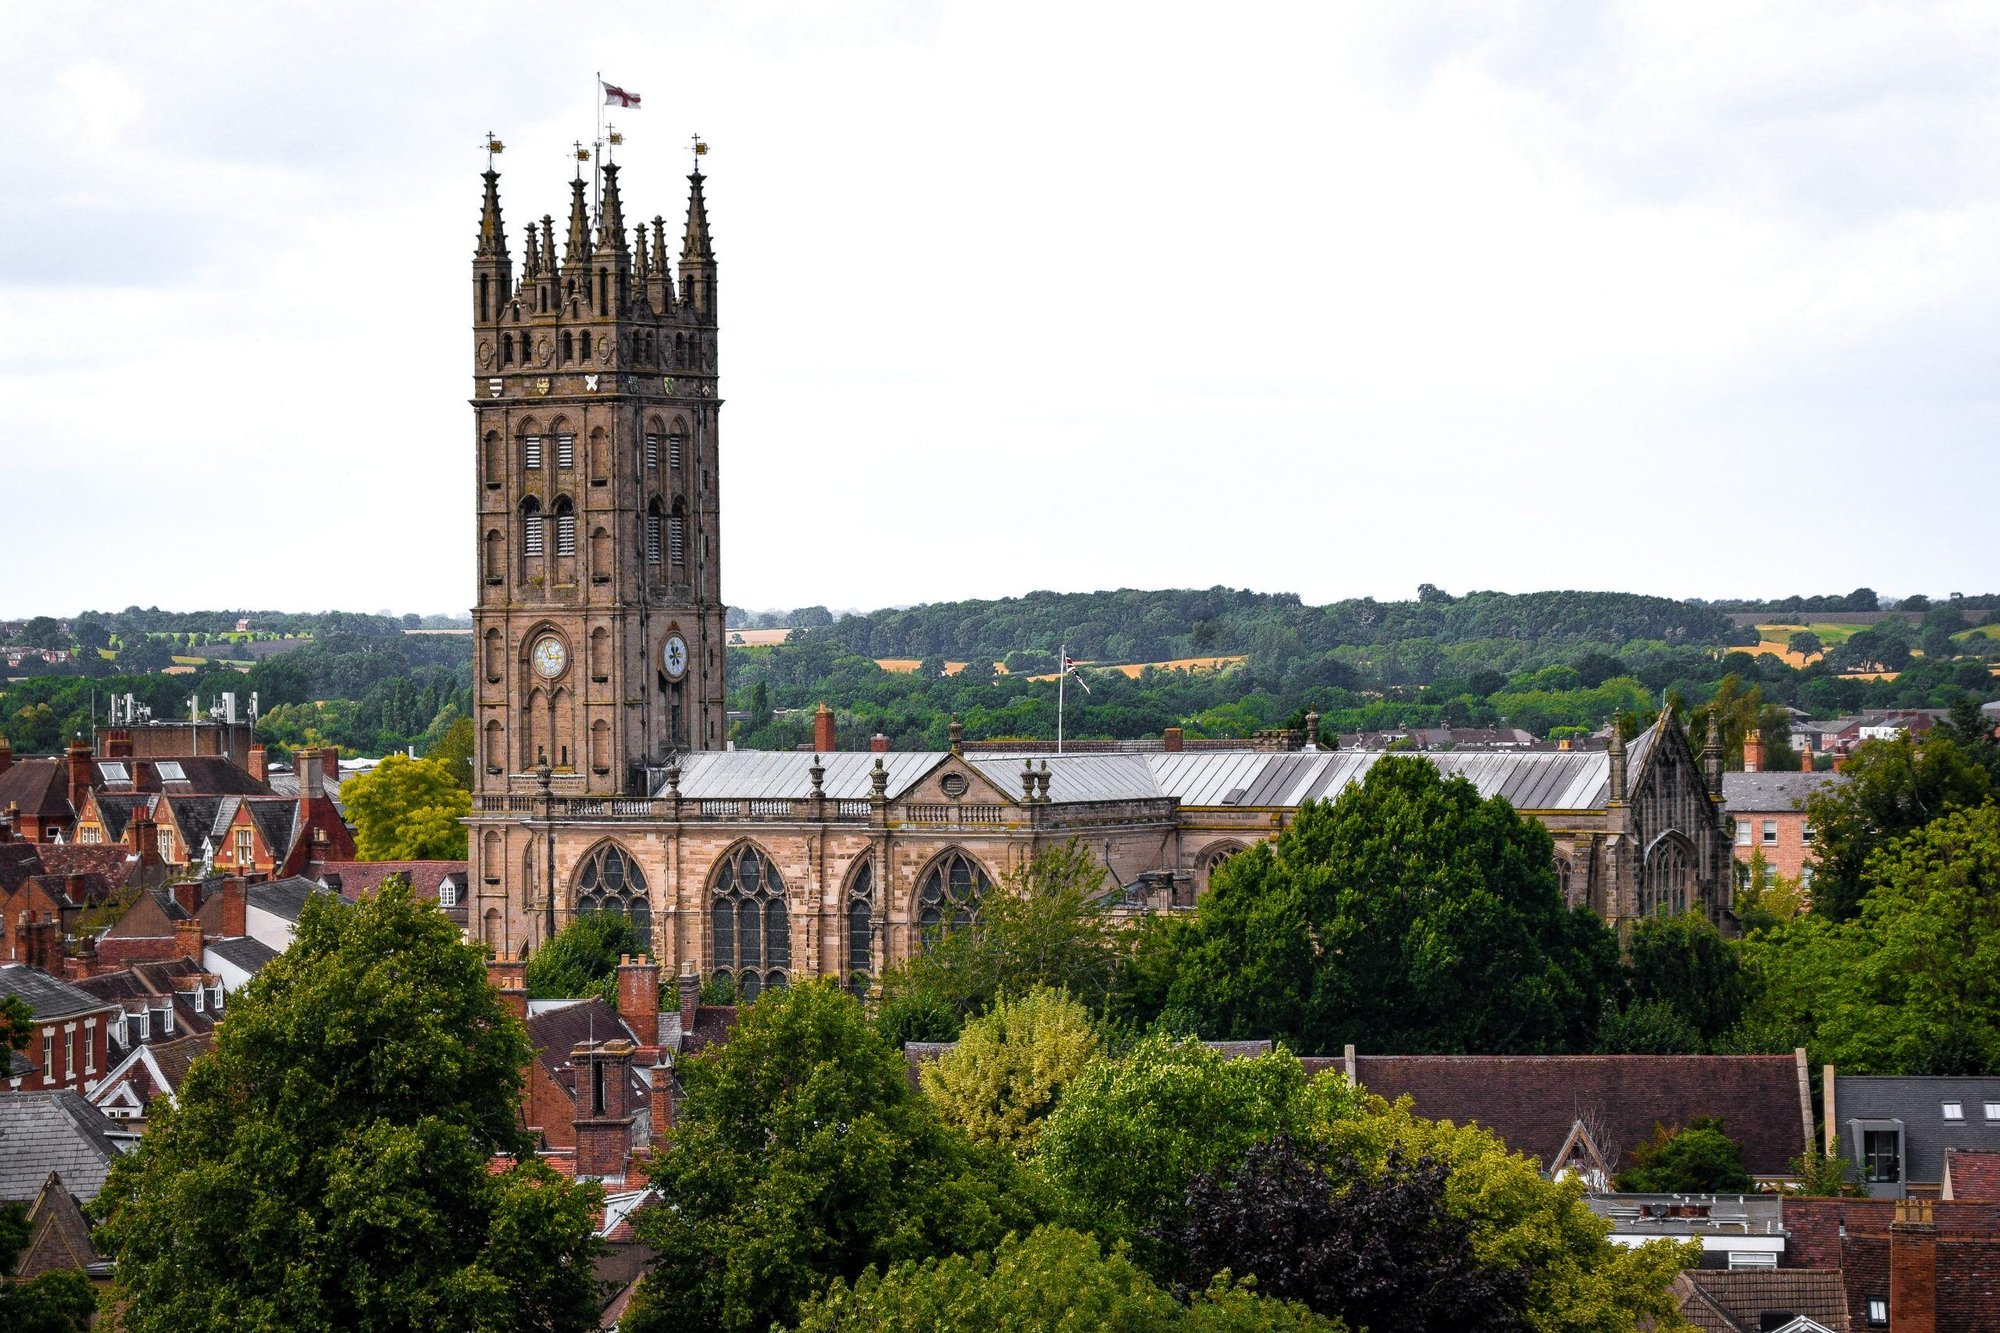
(1669, 880)
(677, 534)
(861, 926)
(566, 451)
(531, 526)
(600, 747)
(531, 451)
(680, 350)
(496, 656)
(506, 349)
(600, 461)
(611, 881)
(586, 344)
(748, 925)
(674, 443)
(600, 652)
(495, 457)
(653, 533)
(568, 347)
(652, 450)
(565, 515)
(949, 895)
(485, 296)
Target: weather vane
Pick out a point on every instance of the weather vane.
(700, 151)
(493, 145)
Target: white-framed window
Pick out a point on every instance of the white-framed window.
(90, 1046)
(447, 894)
(1954, 1111)
(69, 1051)
(1743, 833)
(48, 1055)
(1878, 1310)
(1770, 833)
(1993, 1113)
(246, 847)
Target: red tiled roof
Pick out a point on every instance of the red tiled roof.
(111, 860)
(1533, 1101)
(1974, 1174)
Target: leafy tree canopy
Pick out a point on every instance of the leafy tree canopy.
(407, 809)
(1697, 1158)
(582, 959)
(1011, 1066)
(802, 1155)
(1407, 914)
(1892, 787)
(327, 1165)
(1051, 1281)
(1684, 963)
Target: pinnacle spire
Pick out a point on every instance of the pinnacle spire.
(695, 243)
(611, 215)
(578, 249)
(492, 232)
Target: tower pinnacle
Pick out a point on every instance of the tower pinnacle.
(492, 232)
(578, 248)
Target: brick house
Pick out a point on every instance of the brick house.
(1907, 1265)
(1769, 810)
(71, 1045)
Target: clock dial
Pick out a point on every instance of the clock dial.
(549, 656)
(674, 656)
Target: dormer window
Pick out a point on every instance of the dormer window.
(1878, 1310)
(1954, 1111)
(196, 999)
(215, 996)
(1993, 1113)
(447, 894)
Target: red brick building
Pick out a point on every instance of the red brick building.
(1908, 1265)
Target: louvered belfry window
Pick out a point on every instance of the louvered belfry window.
(673, 451)
(531, 451)
(652, 451)
(677, 539)
(652, 539)
(531, 532)
(565, 534)
(565, 451)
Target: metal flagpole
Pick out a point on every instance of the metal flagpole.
(597, 147)
(1062, 680)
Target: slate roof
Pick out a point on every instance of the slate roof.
(115, 811)
(284, 897)
(1772, 791)
(193, 818)
(1533, 1101)
(42, 1132)
(275, 818)
(19, 1065)
(1720, 1300)
(74, 891)
(39, 786)
(58, 1236)
(18, 860)
(168, 980)
(556, 1032)
(1918, 1103)
(49, 997)
(247, 953)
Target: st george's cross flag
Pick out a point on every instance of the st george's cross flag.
(616, 96)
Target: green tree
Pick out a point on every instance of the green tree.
(345, 1124)
(454, 749)
(1051, 1281)
(1010, 1066)
(1647, 1027)
(1892, 787)
(1684, 963)
(1823, 1175)
(1697, 1158)
(17, 1024)
(582, 959)
(1407, 914)
(407, 809)
(801, 1154)
(1045, 925)
(1130, 1135)
(1805, 643)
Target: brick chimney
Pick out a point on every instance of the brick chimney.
(76, 884)
(41, 944)
(824, 740)
(1753, 752)
(690, 986)
(878, 743)
(260, 764)
(329, 767)
(1172, 739)
(188, 940)
(6, 755)
(145, 836)
(1913, 1268)
(235, 907)
(80, 770)
(188, 894)
(603, 1107)
(305, 763)
(1806, 758)
(639, 997)
(115, 743)
(509, 976)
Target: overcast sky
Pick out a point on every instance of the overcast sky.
(1693, 299)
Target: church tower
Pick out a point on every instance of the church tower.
(598, 624)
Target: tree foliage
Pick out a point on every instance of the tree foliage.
(327, 1165)
(1684, 963)
(1378, 1247)
(1697, 1158)
(801, 1154)
(1010, 1067)
(1407, 914)
(407, 809)
(582, 959)
(1051, 1281)
(1892, 787)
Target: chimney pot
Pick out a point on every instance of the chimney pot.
(1172, 739)
(690, 997)
(260, 763)
(509, 976)
(824, 739)
(639, 997)
(878, 743)
(188, 939)
(1753, 752)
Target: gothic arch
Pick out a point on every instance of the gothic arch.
(496, 748)
(1667, 883)
(563, 512)
(947, 894)
(600, 747)
(609, 879)
(600, 453)
(750, 933)
(858, 917)
(1211, 858)
(495, 452)
(496, 657)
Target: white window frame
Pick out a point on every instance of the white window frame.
(1878, 1311)
(1770, 833)
(90, 1045)
(1954, 1112)
(1743, 833)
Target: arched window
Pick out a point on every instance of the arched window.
(531, 450)
(496, 656)
(568, 347)
(748, 925)
(485, 296)
(680, 349)
(586, 344)
(565, 514)
(600, 652)
(531, 526)
(949, 895)
(677, 533)
(507, 347)
(495, 458)
(861, 926)
(496, 748)
(600, 556)
(676, 442)
(600, 747)
(653, 520)
(490, 852)
(1669, 879)
(610, 881)
(496, 555)
(600, 458)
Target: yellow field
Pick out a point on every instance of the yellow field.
(1134, 670)
(756, 638)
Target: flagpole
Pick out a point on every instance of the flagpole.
(597, 146)
(1062, 680)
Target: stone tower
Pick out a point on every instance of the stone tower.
(598, 639)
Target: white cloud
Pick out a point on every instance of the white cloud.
(1694, 299)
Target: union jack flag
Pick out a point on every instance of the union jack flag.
(616, 96)
(1070, 669)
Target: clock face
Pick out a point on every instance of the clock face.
(674, 656)
(549, 656)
